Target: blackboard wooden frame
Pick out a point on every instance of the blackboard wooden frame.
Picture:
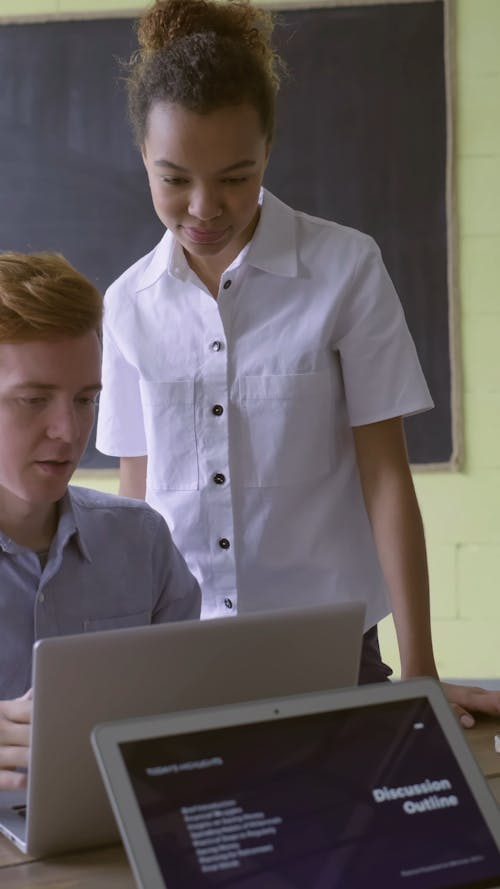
(453, 459)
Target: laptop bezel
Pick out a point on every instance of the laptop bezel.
(107, 737)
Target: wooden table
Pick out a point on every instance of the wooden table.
(96, 869)
(108, 868)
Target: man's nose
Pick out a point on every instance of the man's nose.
(63, 423)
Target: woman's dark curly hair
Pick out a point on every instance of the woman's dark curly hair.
(203, 55)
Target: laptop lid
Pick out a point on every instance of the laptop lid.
(81, 680)
(373, 786)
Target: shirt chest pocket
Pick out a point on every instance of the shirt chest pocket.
(168, 409)
(285, 428)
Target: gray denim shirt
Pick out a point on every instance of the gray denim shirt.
(112, 563)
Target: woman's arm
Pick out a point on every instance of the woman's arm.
(397, 528)
(396, 523)
(133, 477)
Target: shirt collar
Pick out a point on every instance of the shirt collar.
(6, 544)
(70, 525)
(273, 247)
(67, 528)
(177, 264)
(160, 261)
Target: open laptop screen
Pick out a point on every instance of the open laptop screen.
(369, 796)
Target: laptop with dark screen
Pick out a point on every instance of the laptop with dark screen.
(373, 786)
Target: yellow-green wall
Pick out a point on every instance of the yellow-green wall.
(461, 510)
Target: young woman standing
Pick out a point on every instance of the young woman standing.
(257, 362)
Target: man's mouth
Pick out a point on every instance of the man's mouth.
(54, 467)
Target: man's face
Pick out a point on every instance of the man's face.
(47, 404)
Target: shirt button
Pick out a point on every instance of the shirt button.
(219, 478)
(228, 603)
(216, 346)
(227, 284)
(224, 543)
(217, 410)
(41, 598)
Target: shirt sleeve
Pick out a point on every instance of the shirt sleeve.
(120, 423)
(381, 370)
(176, 593)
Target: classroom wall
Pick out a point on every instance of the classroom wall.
(461, 510)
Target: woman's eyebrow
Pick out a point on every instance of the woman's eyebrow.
(163, 162)
(238, 166)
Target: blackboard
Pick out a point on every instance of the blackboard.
(362, 138)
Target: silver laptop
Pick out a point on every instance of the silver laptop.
(81, 680)
(366, 787)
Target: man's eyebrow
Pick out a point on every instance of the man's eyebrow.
(92, 387)
(50, 387)
(163, 162)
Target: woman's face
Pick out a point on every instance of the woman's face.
(205, 172)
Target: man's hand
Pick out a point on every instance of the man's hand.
(15, 724)
(468, 699)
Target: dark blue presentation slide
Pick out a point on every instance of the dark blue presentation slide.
(369, 797)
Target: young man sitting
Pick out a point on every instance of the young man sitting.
(72, 560)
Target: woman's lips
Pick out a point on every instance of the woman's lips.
(205, 236)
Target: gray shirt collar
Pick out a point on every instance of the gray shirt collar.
(68, 529)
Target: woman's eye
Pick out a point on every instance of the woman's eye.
(173, 180)
(235, 180)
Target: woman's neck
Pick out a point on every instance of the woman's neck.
(211, 268)
(209, 272)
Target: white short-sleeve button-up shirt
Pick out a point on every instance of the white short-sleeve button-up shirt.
(244, 406)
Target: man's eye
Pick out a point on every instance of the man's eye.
(32, 400)
(87, 401)
(235, 180)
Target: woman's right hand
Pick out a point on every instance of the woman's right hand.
(15, 725)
